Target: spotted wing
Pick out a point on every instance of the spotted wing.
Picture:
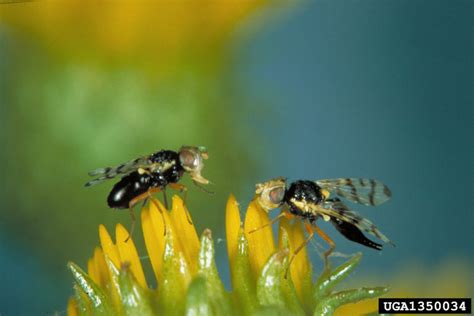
(358, 190)
(103, 174)
(336, 209)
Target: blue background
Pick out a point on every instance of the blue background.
(375, 89)
(330, 89)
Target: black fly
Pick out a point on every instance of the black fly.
(309, 200)
(149, 174)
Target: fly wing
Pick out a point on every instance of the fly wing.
(359, 190)
(103, 174)
(335, 209)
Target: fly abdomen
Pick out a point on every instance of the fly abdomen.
(128, 188)
(353, 233)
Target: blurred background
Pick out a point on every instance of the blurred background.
(301, 89)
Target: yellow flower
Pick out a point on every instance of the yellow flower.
(261, 244)
(186, 275)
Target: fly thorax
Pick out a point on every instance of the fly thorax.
(305, 191)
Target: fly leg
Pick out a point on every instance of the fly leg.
(132, 216)
(142, 197)
(280, 216)
(202, 188)
(330, 242)
(159, 210)
(165, 199)
(181, 188)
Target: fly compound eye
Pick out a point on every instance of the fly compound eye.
(270, 194)
(189, 159)
(276, 195)
(192, 161)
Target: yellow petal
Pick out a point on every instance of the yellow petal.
(160, 218)
(154, 245)
(232, 225)
(92, 272)
(101, 267)
(72, 307)
(128, 253)
(261, 244)
(153, 230)
(105, 275)
(364, 307)
(110, 250)
(300, 266)
(187, 237)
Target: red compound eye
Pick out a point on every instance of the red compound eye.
(187, 158)
(276, 195)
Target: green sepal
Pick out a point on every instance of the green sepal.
(274, 286)
(197, 300)
(293, 303)
(243, 283)
(271, 311)
(99, 303)
(113, 287)
(327, 305)
(219, 298)
(173, 285)
(307, 285)
(83, 303)
(135, 299)
(329, 279)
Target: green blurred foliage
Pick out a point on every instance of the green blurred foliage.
(61, 119)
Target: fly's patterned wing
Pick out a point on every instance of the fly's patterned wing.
(107, 173)
(334, 208)
(358, 190)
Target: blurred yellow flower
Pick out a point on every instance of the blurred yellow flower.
(145, 32)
